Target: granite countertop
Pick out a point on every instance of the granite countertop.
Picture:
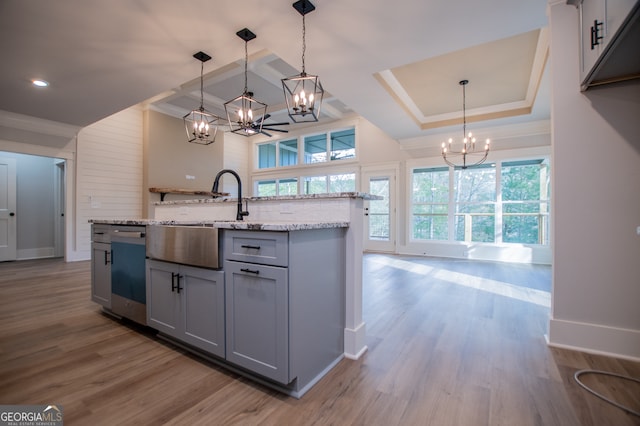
(228, 224)
(362, 195)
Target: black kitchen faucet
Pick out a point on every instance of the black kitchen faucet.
(216, 183)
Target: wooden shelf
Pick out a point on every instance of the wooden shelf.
(165, 191)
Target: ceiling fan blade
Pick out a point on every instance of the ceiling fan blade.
(275, 130)
(266, 133)
(284, 123)
(261, 119)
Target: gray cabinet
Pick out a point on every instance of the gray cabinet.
(101, 274)
(275, 312)
(257, 304)
(609, 35)
(187, 303)
(101, 264)
(285, 296)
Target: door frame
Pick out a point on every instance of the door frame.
(59, 207)
(10, 251)
(391, 170)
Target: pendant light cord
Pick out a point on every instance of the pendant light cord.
(201, 86)
(246, 60)
(304, 43)
(464, 111)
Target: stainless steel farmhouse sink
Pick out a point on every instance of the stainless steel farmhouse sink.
(187, 245)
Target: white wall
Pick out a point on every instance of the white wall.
(236, 157)
(172, 162)
(109, 174)
(596, 206)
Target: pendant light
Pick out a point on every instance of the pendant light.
(468, 148)
(201, 126)
(244, 113)
(303, 92)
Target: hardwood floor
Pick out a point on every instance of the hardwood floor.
(450, 343)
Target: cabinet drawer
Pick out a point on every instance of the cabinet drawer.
(263, 247)
(100, 233)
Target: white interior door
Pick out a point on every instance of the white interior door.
(380, 215)
(8, 239)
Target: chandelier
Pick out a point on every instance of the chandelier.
(468, 143)
(242, 110)
(201, 126)
(303, 92)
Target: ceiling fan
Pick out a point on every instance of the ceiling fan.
(267, 126)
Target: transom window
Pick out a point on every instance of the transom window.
(309, 149)
(320, 184)
(268, 188)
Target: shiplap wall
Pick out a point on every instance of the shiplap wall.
(110, 172)
(236, 157)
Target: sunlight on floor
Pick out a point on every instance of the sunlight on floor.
(500, 288)
(529, 295)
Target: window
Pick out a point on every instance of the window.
(314, 185)
(525, 202)
(475, 199)
(269, 188)
(288, 186)
(320, 148)
(315, 149)
(473, 212)
(343, 144)
(379, 210)
(267, 155)
(430, 203)
(288, 152)
(342, 183)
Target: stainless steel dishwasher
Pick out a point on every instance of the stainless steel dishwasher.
(128, 282)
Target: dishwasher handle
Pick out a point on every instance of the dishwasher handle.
(128, 234)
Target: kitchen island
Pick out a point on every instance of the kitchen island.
(283, 305)
(268, 302)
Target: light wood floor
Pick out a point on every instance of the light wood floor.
(450, 343)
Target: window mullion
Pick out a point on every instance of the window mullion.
(451, 211)
(498, 206)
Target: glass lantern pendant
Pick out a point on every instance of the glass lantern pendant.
(201, 126)
(242, 110)
(303, 92)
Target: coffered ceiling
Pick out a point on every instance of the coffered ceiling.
(396, 64)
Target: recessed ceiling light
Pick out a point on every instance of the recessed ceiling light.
(40, 83)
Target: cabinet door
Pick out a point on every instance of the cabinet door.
(101, 274)
(592, 18)
(202, 316)
(163, 303)
(616, 12)
(257, 314)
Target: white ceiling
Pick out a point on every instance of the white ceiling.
(104, 56)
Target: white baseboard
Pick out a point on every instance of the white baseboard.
(595, 339)
(35, 253)
(77, 255)
(354, 341)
